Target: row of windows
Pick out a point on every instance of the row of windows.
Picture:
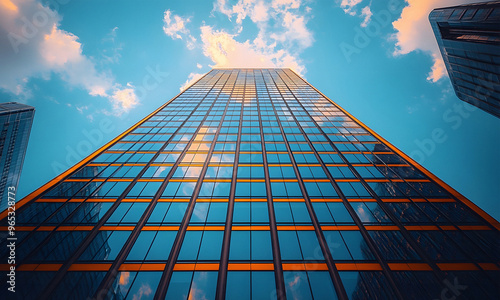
(89, 213)
(255, 245)
(273, 156)
(252, 146)
(256, 285)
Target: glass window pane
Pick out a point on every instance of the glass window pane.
(261, 245)
(144, 286)
(321, 285)
(238, 285)
(179, 286)
(263, 285)
(297, 286)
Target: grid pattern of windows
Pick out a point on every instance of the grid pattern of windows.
(15, 127)
(469, 40)
(251, 184)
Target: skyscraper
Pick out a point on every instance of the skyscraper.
(251, 184)
(16, 120)
(469, 39)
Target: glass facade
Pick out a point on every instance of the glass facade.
(15, 121)
(251, 184)
(469, 39)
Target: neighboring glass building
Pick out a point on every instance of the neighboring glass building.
(469, 39)
(15, 121)
(251, 184)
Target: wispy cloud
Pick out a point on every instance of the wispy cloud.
(256, 10)
(144, 290)
(124, 99)
(31, 48)
(225, 51)
(175, 27)
(192, 78)
(414, 32)
(112, 48)
(282, 35)
(348, 6)
(353, 8)
(366, 13)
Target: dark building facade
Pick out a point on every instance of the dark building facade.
(469, 39)
(15, 120)
(251, 184)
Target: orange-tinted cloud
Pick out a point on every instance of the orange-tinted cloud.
(124, 278)
(225, 51)
(39, 48)
(277, 44)
(8, 5)
(414, 32)
(60, 47)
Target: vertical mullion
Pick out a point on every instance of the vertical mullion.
(339, 287)
(88, 239)
(222, 278)
(362, 229)
(435, 269)
(108, 279)
(278, 266)
(174, 253)
(47, 239)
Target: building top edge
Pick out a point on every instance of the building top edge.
(470, 5)
(7, 107)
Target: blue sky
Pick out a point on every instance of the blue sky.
(94, 68)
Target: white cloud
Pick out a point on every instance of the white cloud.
(111, 50)
(33, 45)
(438, 69)
(367, 14)
(414, 32)
(175, 27)
(223, 49)
(199, 66)
(295, 31)
(282, 35)
(348, 6)
(60, 47)
(174, 24)
(287, 4)
(351, 7)
(124, 100)
(257, 10)
(192, 78)
(80, 109)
